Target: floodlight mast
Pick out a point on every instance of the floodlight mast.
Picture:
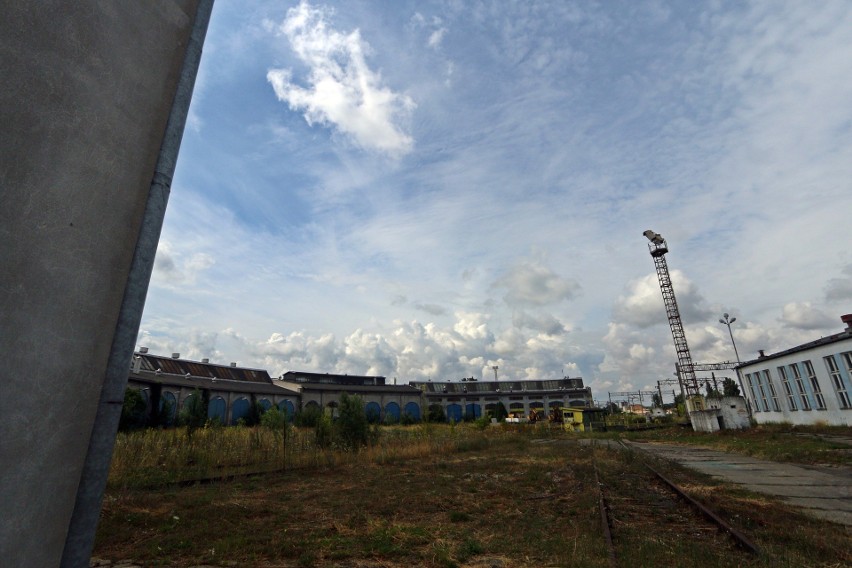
(658, 248)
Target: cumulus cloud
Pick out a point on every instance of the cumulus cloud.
(545, 323)
(531, 283)
(805, 316)
(840, 289)
(642, 304)
(342, 90)
(173, 268)
(408, 351)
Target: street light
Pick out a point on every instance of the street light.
(728, 322)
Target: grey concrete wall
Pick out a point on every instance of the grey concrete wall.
(87, 89)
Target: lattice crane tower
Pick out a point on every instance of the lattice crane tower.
(659, 248)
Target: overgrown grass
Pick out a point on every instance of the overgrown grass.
(151, 458)
(507, 497)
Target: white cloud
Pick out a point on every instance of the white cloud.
(436, 37)
(642, 305)
(805, 316)
(173, 268)
(840, 289)
(343, 91)
(530, 283)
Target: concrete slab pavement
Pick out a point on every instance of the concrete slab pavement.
(825, 492)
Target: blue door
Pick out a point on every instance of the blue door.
(374, 412)
(472, 411)
(413, 410)
(391, 412)
(168, 398)
(239, 409)
(287, 407)
(454, 412)
(216, 409)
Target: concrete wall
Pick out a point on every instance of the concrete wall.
(733, 411)
(87, 90)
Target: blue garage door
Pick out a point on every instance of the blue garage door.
(472, 411)
(216, 409)
(454, 412)
(287, 407)
(168, 398)
(265, 404)
(413, 410)
(374, 412)
(391, 412)
(239, 409)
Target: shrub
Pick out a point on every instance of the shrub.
(407, 419)
(308, 417)
(194, 412)
(500, 413)
(274, 419)
(352, 426)
(133, 411)
(436, 413)
(324, 431)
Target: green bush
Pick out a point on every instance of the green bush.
(133, 411)
(407, 419)
(500, 413)
(436, 413)
(274, 419)
(194, 412)
(324, 431)
(352, 427)
(308, 417)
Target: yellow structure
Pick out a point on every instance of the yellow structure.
(582, 419)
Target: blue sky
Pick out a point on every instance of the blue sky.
(423, 190)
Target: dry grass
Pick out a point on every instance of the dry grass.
(469, 498)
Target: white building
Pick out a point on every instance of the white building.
(804, 385)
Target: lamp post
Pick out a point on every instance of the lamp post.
(726, 321)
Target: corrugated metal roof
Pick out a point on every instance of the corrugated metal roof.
(171, 366)
(375, 389)
(570, 384)
(209, 383)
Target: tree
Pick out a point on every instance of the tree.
(352, 426)
(436, 413)
(657, 400)
(194, 412)
(711, 391)
(730, 387)
(133, 411)
(500, 413)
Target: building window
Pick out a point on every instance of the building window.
(753, 395)
(800, 386)
(767, 376)
(809, 370)
(837, 381)
(785, 380)
(762, 390)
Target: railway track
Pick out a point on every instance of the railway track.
(646, 496)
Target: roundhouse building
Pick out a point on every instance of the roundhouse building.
(382, 402)
(472, 398)
(168, 383)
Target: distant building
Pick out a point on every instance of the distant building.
(806, 384)
(472, 399)
(167, 384)
(382, 402)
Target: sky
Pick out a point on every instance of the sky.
(426, 190)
